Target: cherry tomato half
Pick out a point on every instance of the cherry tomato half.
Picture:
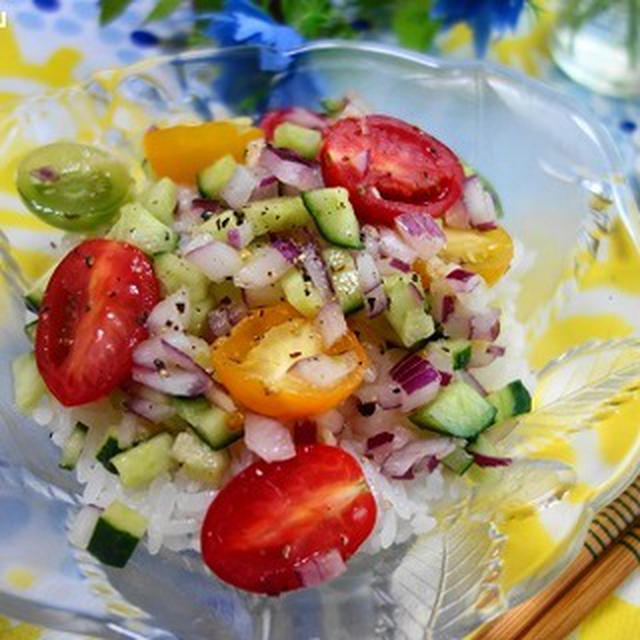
(92, 316)
(272, 518)
(254, 363)
(390, 167)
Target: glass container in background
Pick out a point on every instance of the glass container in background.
(597, 43)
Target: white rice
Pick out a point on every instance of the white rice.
(175, 505)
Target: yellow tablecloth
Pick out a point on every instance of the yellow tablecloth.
(41, 50)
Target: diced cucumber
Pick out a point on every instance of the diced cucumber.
(116, 535)
(109, 448)
(344, 278)
(139, 228)
(459, 460)
(175, 272)
(406, 312)
(198, 320)
(33, 297)
(334, 216)
(138, 466)
(302, 140)
(161, 200)
(265, 216)
(209, 422)
(73, 446)
(214, 178)
(199, 460)
(483, 445)
(449, 355)
(28, 386)
(301, 293)
(276, 214)
(30, 330)
(225, 292)
(512, 400)
(458, 410)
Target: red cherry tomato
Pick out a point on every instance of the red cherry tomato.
(272, 518)
(92, 316)
(390, 167)
(297, 115)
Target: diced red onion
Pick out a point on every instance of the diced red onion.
(421, 232)
(401, 461)
(217, 395)
(485, 326)
(237, 311)
(483, 354)
(188, 215)
(205, 204)
(330, 323)
(316, 270)
(376, 301)
(216, 260)
(289, 190)
(242, 235)
(218, 322)
(414, 372)
(420, 396)
(268, 438)
(171, 382)
(445, 378)
(323, 370)
(45, 174)
(321, 567)
(457, 217)
(287, 248)
(400, 265)
(371, 239)
(238, 190)
(384, 437)
(291, 170)
(479, 204)
(266, 266)
(267, 188)
(490, 461)
(171, 314)
(428, 464)
(305, 432)
(392, 246)
(368, 274)
(462, 281)
(149, 410)
(472, 381)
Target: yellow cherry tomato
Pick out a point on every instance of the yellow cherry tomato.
(254, 364)
(180, 152)
(487, 253)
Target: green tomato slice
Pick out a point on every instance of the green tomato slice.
(72, 186)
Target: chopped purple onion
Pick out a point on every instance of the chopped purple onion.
(316, 270)
(457, 217)
(379, 439)
(490, 461)
(400, 265)
(421, 232)
(414, 372)
(479, 204)
(287, 248)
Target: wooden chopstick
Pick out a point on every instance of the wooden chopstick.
(599, 581)
(605, 532)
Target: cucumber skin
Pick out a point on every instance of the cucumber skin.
(510, 401)
(424, 417)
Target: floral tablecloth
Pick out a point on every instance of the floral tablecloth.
(46, 44)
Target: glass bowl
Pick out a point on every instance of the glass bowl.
(559, 179)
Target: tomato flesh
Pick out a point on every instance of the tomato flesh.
(92, 316)
(272, 518)
(390, 167)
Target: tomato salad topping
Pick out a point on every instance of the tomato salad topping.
(282, 312)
